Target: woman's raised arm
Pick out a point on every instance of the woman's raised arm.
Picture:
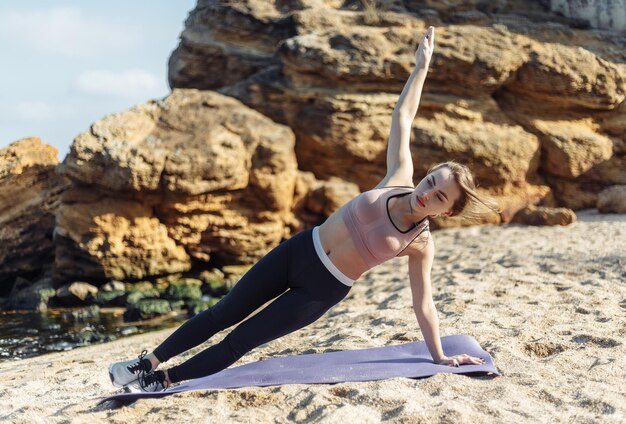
(410, 98)
(398, 151)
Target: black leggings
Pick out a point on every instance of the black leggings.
(293, 272)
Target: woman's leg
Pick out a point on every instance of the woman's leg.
(267, 279)
(313, 290)
(293, 310)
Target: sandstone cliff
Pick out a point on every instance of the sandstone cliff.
(169, 181)
(533, 101)
(29, 197)
(280, 112)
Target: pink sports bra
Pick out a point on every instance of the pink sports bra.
(374, 234)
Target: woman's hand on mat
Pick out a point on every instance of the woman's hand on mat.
(425, 49)
(457, 360)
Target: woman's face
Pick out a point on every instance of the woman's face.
(436, 193)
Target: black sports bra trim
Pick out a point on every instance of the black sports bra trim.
(389, 216)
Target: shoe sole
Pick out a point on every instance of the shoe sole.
(131, 389)
(134, 389)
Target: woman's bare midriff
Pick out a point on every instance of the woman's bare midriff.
(340, 248)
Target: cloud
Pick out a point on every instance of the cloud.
(65, 31)
(132, 83)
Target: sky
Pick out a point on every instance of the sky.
(66, 64)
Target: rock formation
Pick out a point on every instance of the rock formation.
(531, 101)
(174, 180)
(280, 113)
(608, 14)
(29, 196)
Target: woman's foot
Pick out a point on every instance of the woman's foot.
(156, 381)
(124, 373)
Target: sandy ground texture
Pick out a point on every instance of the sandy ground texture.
(548, 303)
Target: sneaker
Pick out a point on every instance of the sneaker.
(124, 373)
(148, 383)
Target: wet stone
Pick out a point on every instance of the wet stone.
(147, 308)
(176, 304)
(136, 295)
(76, 294)
(216, 287)
(31, 298)
(111, 298)
(185, 289)
(113, 286)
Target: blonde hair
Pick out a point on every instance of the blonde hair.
(470, 205)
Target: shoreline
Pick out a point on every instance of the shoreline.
(548, 304)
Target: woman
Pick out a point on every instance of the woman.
(315, 269)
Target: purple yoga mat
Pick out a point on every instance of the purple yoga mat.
(410, 360)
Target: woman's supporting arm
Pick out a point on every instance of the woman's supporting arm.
(429, 325)
(420, 265)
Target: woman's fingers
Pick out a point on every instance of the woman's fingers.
(466, 359)
(430, 35)
(477, 361)
(471, 360)
(425, 49)
(458, 360)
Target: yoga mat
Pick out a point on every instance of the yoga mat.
(410, 360)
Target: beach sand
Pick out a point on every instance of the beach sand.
(548, 303)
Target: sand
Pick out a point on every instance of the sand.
(548, 303)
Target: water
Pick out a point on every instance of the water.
(27, 334)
